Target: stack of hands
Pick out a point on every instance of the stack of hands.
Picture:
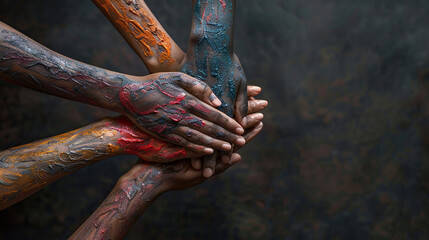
(183, 131)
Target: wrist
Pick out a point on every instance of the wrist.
(146, 180)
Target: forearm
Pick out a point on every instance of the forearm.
(140, 28)
(26, 169)
(210, 54)
(133, 193)
(27, 63)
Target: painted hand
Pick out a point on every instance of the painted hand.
(179, 109)
(131, 140)
(180, 174)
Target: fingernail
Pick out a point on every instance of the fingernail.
(239, 130)
(216, 101)
(208, 172)
(240, 141)
(259, 116)
(257, 89)
(208, 150)
(244, 121)
(226, 146)
(263, 103)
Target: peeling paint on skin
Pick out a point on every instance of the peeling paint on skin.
(136, 142)
(135, 21)
(30, 167)
(159, 106)
(212, 61)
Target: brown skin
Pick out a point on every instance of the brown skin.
(165, 105)
(126, 15)
(26, 169)
(138, 188)
(162, 177)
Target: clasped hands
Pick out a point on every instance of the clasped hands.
(182, 130)
(177, 108)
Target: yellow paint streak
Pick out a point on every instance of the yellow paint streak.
(26, 164)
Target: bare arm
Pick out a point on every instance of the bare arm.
(163, 104)
(209, 53)
(138, 188)
(143, 32)
(26, 169)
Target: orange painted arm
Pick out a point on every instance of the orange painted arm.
(140, 28)
(26, 169)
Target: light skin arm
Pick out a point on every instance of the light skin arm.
(171, 106)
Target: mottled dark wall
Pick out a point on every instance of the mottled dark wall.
(344, 153)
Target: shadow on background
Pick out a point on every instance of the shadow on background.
(344, 153)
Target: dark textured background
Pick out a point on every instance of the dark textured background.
(344, 153)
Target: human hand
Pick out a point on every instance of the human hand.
(177, 175)
(179, 109)
(253, 118)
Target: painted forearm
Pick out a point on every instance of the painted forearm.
(27, 63)
(210, 55)
(26, 169)
(133, 193)
(143, 32)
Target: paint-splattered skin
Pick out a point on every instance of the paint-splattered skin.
(144, 33)
(210, 59)
(161, 104)
(209, 56)
(26, 169)
(138, 188)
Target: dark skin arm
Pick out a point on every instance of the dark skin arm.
(138, 188)
(210, 58)
(26, 169)
(143, 32)
(133, 19)
(162, 104)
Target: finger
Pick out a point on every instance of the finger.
(209, 164)
(196, 163)
(199, 89)
(226, 156)
(240, 106)
(253, 119)
(256, 106)
(250, 134)
(202, 139)
(176, 139)
(212, 130)
(253, 91)
(235, 158)
(221, 167)
(217, 117)
(171, 154)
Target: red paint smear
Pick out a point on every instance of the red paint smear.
(158, 128)
(136, 142)
(127, 91)
(223, 4)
